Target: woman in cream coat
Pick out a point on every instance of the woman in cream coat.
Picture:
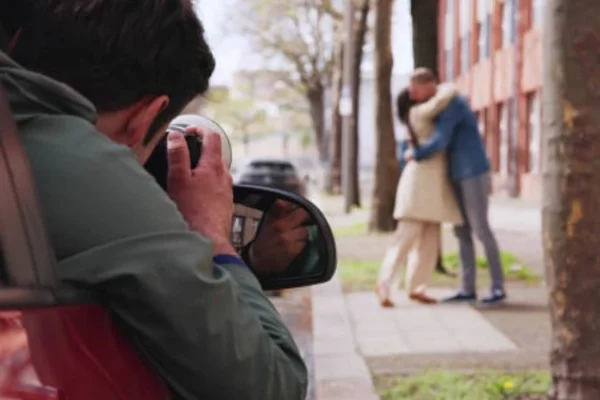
(424, 200)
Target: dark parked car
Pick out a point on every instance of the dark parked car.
(274, 173)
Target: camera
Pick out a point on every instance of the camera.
(158, 165)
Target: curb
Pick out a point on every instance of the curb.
(341, 373)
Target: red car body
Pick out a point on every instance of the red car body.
(71, 353)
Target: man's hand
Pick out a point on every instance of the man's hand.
(281, 238)
(409, 155)
(204, 195)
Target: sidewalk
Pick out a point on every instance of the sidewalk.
(340, 370)
(412, 337)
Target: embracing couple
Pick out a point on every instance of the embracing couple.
(446, 180)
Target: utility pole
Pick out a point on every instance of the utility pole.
(346, 109)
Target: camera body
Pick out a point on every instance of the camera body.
(158, 165)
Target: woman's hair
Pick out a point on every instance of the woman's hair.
(403, 105)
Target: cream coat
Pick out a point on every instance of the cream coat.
(424, 191)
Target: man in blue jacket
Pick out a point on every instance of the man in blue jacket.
(457, 133)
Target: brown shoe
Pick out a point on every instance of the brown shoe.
(384, 301)
(422, 298)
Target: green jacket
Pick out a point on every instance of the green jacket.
(207, 329)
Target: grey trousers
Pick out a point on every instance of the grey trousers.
(472, 195)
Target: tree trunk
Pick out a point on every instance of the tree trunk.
(386, 163)
(316, 102)
(360, 34)
(425, 33)
(571, 222)
(334, 185)
(425, 54)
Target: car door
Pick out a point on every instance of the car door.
(55, 341)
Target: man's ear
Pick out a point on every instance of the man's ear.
(142, 118)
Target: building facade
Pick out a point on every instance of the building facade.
(492, 50)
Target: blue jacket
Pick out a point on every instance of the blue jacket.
(457, 132)
(401, 147)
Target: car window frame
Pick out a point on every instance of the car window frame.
(27, 256)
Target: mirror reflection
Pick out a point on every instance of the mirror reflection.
(278, 238)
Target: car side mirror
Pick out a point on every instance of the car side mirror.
(283, 237)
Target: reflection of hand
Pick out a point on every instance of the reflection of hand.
(204, 195)
(280, 239)
(409, 155)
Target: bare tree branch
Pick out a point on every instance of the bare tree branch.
(296, 36)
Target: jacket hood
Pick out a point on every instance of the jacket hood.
(31, 94)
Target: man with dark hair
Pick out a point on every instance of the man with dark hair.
(457, 133)
(116, 54)
(92, 85)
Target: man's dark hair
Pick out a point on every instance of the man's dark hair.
(117, 52)
(11, 12)
(4, 39)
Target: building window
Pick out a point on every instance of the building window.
(465, 16)
(482, 126)
(535, 133)
(504, 132)
(465, 53)
(484, 19)
(465, 34)
(509, 22)
(449, 65)
(449, 39)
(481, 122)
(537, 13)
(449, 26)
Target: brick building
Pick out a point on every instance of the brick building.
(492, 50)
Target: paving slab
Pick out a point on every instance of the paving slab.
(340, 371)
(524, 319)
(412, 328)
(346, 389)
